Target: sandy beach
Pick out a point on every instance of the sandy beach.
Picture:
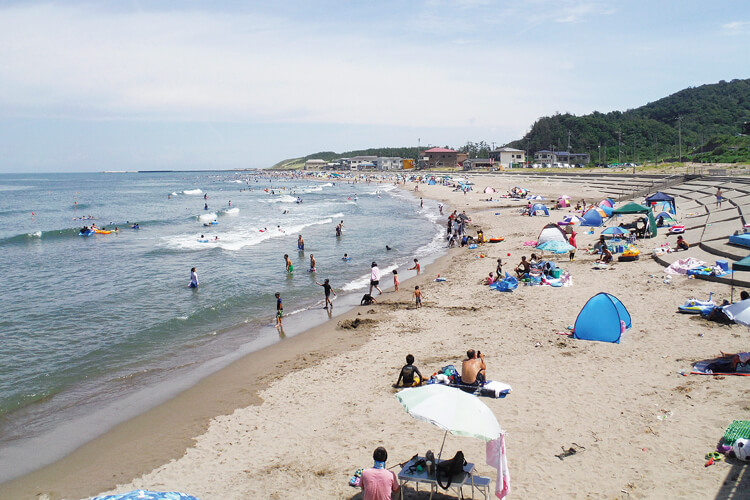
(296, 419)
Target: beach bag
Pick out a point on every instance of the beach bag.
(449, 468)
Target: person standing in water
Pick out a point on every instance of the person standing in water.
(300, 243)
(416, 267)
(312, 264)
(193, 279)
(328, 290)
(279, 310)
(289, 265)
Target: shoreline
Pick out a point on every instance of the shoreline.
(176, 421)
(325, 400)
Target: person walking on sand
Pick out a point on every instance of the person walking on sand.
(418, 296)
(395, 279)
(288, 263)
(719, 197)
(375, 278)
(328, 290)
(279, 310)
(416, 267)
(193, 279)
(572, 241)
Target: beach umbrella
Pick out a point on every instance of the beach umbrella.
(564, 196)
(614, 231)
(739, 312)
(555, 246)
(536, 197)
(148, 495)
(452, 410)
(571, 219)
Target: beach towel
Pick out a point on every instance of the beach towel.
(681, 266)
(497, 458)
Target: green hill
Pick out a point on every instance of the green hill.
(709, 117)
(708, 120)
(297, 163)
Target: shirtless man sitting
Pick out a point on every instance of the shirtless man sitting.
(473, 369)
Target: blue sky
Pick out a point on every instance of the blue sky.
(118, 85)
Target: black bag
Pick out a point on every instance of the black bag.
(366, 300)
(449, 468)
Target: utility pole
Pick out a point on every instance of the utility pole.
(619, 146)
(679, 123)
(634, 160)
(568, 141)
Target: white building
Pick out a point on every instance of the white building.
(389, 163)
(359, 162)
(508, 157)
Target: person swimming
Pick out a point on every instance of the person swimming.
(346, 257)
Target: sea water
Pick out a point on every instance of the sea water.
(92, 326)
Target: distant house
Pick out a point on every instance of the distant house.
(389, 163)
(508, 157)
(478, 163)
(359, 162)
(315, 164)
(439, 158)
(556, 158)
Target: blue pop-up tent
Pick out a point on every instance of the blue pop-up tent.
(539, 209)
(662, 197)
(594, 217)
(600, 319)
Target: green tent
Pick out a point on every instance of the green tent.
(634, 208)
(742, 265)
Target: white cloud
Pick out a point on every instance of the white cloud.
(203, 66)
(737, 27)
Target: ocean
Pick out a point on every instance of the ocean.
(96, 329)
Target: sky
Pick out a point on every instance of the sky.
(188, 84)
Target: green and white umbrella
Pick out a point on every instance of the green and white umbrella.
(452, 410)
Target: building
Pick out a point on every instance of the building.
(557, 158)
(358, 162)
(316, 164)
(478, 163)
(508, 157)
(439, 158)
(389, 163)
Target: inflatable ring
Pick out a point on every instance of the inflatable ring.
(715, 455)
(496, 240)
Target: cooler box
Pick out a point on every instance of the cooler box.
(556, 273)
(723, 264)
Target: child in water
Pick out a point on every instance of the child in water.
(279, 310)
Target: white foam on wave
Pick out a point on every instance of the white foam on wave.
(192, 191)
(231, 211)
(174, 194)
(235, 240)
(207, 217)
(236, 181)
(284, 198)
(37, 234)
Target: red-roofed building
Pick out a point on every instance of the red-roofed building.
(439, 158)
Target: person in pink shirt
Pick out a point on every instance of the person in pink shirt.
(378, 482)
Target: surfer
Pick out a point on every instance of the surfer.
(205, 206)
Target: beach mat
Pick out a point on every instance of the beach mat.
(717, 366)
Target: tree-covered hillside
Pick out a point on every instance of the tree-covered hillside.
(703, 114)
(405, 152)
